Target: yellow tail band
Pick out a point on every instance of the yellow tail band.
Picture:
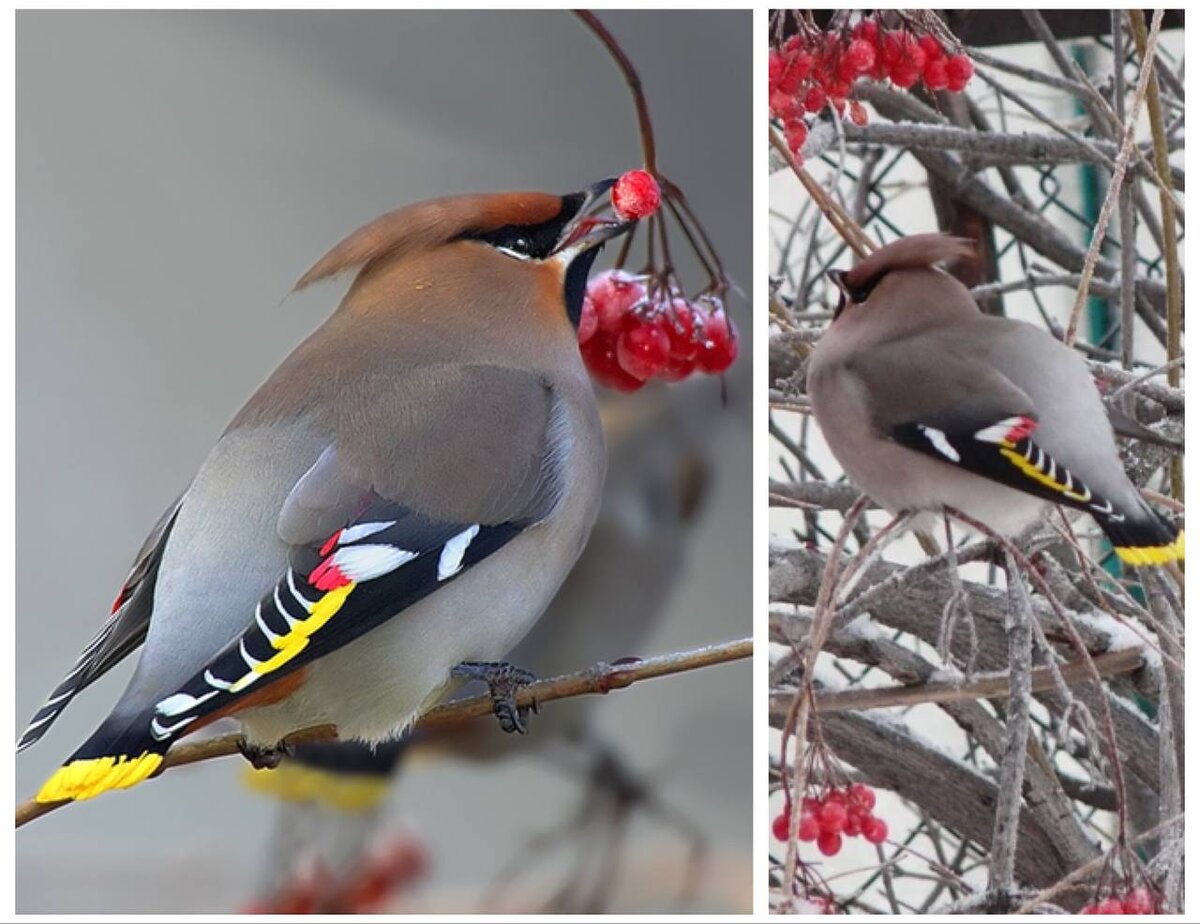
(85, 779)
(1148, 556)
(346, 792)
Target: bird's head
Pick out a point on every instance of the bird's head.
(534, 228)
(918, 252)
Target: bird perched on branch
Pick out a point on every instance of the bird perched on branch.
(396, 505)
(927, 403)
(333, 793)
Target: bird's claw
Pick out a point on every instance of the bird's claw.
(265, 757)
(504, 681)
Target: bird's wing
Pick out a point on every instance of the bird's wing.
(368, 539)
(966, 413)
(122, 632)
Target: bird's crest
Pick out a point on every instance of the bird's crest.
(427, 224)
(915, 251)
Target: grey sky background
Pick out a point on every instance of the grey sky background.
(176, 172)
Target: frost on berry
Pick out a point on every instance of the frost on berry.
(719, 348)
(636, 195)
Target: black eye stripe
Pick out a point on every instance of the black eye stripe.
(533, 241)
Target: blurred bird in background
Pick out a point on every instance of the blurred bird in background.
(331, 850)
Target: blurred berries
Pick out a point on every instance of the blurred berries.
(814, 69)
(1136, 901)
(635, 195)
(629, 334)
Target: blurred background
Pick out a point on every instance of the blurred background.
(176, 173)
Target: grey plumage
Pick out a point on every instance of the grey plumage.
(924, 400)
(444, 407)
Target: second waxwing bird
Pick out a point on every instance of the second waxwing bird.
(928, 403)
(397, 504)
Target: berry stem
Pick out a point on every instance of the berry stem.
(632, 78)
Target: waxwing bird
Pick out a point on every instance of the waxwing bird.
(928, 403)
(333, 793)
(399, 502)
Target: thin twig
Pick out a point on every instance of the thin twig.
(1100, 230)
(600, 678)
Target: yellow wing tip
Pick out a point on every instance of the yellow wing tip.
(346, 792)
(1151, 556)
(85, 779)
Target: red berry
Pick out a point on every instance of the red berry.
(932, 47)
(785, 107)
(1088, 909)
(643, 350)
(858, 58)
(589, 321)
(1139, 901)
(814, 99)
(635, 195)
(720, 346)
(775, 67)
(854, 823)
(829, 843)
(934, 75)
(959, 71)
(905, 76)
(890, 49)
(796, 134)
(863, 795)
(1111, 905)
(912, 51)
(779, 827)
(613, 294)
(875, 830)
(867, 29)
(679, 320)
(833, 817)
(796, 69)
(858, 112)
(810, 827)
(600, 357)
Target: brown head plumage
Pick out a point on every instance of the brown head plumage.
(917, 251)
(438, 221)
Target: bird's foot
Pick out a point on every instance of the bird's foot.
(265, 757)
(504, 681)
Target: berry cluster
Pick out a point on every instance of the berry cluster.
(1136, 901)
(636, 195)
(827, 817)
(815, 69)
(629, 333)
(382, 871)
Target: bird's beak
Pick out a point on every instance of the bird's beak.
(585, 231)
(838, 278)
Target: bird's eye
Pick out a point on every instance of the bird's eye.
(524, 242)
